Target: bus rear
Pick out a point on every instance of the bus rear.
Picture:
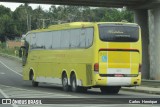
(119, 56)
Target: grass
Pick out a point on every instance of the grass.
(9, 51)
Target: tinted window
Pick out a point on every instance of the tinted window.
(48, 40)
(65, 38)
(89, 37)
(118, 33)
(74, 38)
(56, 37)
(33, 41)
(27, 38)
(40, 40)
(82, 38)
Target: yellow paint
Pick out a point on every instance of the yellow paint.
(51, 63)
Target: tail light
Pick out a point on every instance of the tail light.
(96, 67)
(140, 66)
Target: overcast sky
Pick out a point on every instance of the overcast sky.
(13, 6)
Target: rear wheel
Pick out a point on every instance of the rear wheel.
(110, 89)
(74, 86)
(34, 83)
(83, 89)
(65, 82)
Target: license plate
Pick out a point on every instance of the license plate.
(118, 75)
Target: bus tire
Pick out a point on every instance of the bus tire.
(74, 86)
(110, 89)
(65, 82)
(34, 83)
(83, 89)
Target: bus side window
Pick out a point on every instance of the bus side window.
(89, 37)
(48, 40)
(33, 41)
(74, 38)
(82, 38)
(65, 39)
(40, 37)
(56, 37)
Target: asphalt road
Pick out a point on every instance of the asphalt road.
(12, 86)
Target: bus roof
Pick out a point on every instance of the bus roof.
(75, 25)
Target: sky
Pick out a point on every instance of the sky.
(13, 6)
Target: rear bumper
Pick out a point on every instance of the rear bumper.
(117, 81)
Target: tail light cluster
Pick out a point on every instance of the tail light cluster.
(96, 67)
(140, 66)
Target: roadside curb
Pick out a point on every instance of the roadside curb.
(140, 90)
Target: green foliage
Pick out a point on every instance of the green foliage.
(2, 45)
(112, 15)
(8, 51)
(7, 26)
(21, 17)
(11, 51)
(37, 17)
(128, 15)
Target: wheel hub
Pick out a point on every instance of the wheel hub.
(74, 84)
(65, 82)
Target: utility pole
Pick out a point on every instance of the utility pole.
(28, 17)
(43, 21)
(29, 22)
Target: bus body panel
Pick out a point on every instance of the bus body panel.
(50, 65)
(119, 63)
(112, 57)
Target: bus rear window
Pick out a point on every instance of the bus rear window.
(119, 33)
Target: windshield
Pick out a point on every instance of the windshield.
(119, 33)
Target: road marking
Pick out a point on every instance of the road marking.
(2, 73)
(10, 68)
(6, 96)
(15, 92)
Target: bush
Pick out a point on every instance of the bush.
(11, 51)
(2, 44)
(7, 51)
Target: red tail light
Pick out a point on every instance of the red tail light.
(140, 66)
(96, 67)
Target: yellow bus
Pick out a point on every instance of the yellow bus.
(82, 55)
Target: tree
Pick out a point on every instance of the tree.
(127, 15)
(37, 15)
(21, 17)
(7, 28)
(112, 15)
